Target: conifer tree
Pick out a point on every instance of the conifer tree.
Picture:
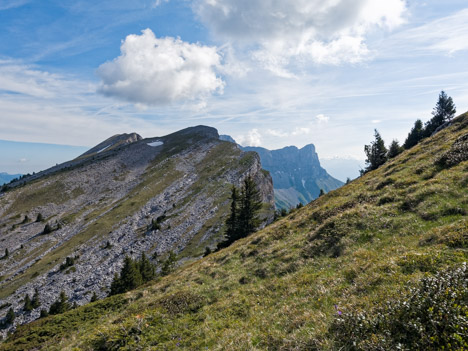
(130, 275)
(443, 112)
(61, 305)
(116, 286)
(35, 300)
(415, 135)
(147, 269)
(44, 313)
(39, 217)
(394, 149)
(376, 152)
(7, 253)
(94, 297)
(250, 205)
(27, 304)
(243, 219)
(232, 225)
(47, 229)
(321, 193)
(169, 263)
(10, 317)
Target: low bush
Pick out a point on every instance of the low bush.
(431, 316)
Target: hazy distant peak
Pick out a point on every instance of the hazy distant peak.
(225, 137)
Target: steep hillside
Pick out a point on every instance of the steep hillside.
(99, 207)
(297, 174)
(318, 279)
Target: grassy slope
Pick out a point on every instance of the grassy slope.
(281, 287)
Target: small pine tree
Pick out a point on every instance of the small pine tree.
(394, 149)
(47, 229)
(147, 269)
(35, 302)
(94, 297)
(154, 225)
(39, 217)
(25, 220)
(321, 193)
(61, 305)
(130, 275)
(415, 135)
(445, 108)
(10, 317)
(169, 263)
(443, 112)
(116, 286)
(348, 180)
(7, 253)
(376, 152)
(44, 313)
(27, 304)
(207, 251)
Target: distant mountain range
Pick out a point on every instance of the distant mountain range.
(6, 178)
(297, 173)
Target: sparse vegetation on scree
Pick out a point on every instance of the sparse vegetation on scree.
(379, 264)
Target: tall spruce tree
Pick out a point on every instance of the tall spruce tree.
(443, 112)
(61, 305)
(35, 299)
(130, 276)
(116, 286)
(27, 304)
(415, 135)
(250, 205)
(10, 317)
(169, 263)
(394, 149)
(376, 152)
(147, 269)
(232, 225)
(243, 219)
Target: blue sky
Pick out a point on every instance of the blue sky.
(267, 72)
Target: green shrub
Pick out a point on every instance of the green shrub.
(182, 302)
(431, 316)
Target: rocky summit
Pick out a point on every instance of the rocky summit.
(98, 208)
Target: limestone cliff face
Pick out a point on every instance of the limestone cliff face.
(100, 206)
(297, 174)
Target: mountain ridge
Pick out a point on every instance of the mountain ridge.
(101, 204)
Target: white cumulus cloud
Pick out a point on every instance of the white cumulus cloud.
(321, 118)
(252, 138)
(159, 71)
(324, 31)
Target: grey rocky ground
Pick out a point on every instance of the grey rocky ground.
(88, 192)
